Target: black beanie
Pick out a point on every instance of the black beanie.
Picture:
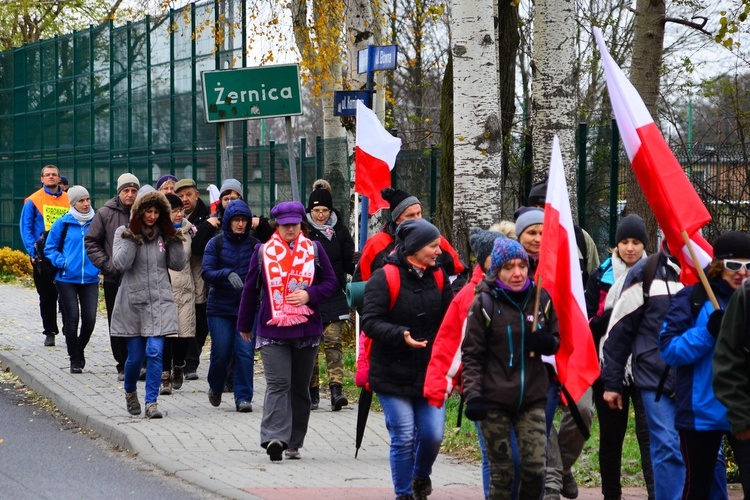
(398, 200)
(632, 226)
(413, 235)
(537, 194)
(174, 201)
(320, 198)
(732, 245)
(482, 242)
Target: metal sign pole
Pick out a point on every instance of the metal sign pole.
(224, 157)
(292, 164)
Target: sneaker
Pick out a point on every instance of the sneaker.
(49, 340)
(166, 383)
(178, 375)
(152, 411)
(132, 404)
(191, 374)
(120, 376)
(422, 488)
(274, 450)
(214, 399)
(75, 367)
(570, 488)
(244, 407)
(292, 454)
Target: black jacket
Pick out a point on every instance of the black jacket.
(396, 368)
(340, 251)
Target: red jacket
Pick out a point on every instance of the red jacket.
(444, 369)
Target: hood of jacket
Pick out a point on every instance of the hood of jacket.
(234, 209)
(164, 222)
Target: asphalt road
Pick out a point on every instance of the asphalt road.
(44, 455)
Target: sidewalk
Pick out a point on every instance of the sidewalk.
(216, 449)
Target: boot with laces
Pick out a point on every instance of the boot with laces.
(166, 383)
(152, 411)
(132, 404)
(178, 376)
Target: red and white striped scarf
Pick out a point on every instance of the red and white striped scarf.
(285, 271)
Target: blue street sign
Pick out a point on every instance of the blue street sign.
(345, 101)
(384, 57)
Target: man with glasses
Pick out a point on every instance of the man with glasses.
(40, 210)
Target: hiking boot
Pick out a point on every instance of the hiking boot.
(338, 400)
(244, 407)
(274, 450)
(422, 488)
(49, 340)
(166, 383)
(214, 399)
(551, 494)
(152, 411)
(178, 376)
(570, 488)
(131, 401)
(314, 397)
(191, 374)
(292, 454)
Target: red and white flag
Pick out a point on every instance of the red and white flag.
(560, 270)
(375, 157)
(668, 190)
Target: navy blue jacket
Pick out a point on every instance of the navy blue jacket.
(236, 251)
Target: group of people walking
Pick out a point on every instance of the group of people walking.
(174, 270)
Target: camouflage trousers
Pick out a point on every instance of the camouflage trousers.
(531, 433)
(332, 334)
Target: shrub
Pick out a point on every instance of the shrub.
(14, 264)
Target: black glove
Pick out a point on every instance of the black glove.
(355, 257)
(714, 322)
(235, 281)
(541, 342)
(475, 409)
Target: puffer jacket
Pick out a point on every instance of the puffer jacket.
(686, 343)
(236, 251)
(444, 370)
(396, 368)
(145, 305)
(73, 263)
(183, 287)
(100, 237)
(496, 366)
(340, 250)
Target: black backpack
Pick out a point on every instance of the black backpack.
(41, 263)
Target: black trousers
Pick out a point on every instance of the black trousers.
(174, 352)
(119, 345)
(47, 303)
(613, 426)
(699, 451)
(195, 346)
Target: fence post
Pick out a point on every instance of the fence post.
(614, 178)
(272, 173)
(433, 180)
(583, 131)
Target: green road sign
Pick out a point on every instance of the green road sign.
(249, 93)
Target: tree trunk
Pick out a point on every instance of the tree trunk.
(443, 217)
(554, 88)
(476, 118)
(645, 75)
(508, 39)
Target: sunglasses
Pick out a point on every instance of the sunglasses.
(736, 265)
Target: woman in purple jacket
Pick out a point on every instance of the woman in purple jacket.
(288, 277)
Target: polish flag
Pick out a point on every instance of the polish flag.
(213, 196)
(375, 157)
(668, 190)
(560, 270)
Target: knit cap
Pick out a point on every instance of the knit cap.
(482, 242)
(632, 226)
(320, 198)
(398, 200)
(732, 245)
(414, 234)
(504, 250)
(230, 185)
(75, 193)
(127, 180)
(165, 178)
(63, 180)
(529, 218)
(538, 194)
(174, 201)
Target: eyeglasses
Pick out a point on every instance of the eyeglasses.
(320, 211)
(736, 265)
(230, 198)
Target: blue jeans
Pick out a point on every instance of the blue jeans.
(416, 430)
(666, 458)
(73, 295)
(139, 348)
(226, 343)
(486, 464)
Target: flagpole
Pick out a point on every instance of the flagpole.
(364, 221)
(537, 297)
(701, 274)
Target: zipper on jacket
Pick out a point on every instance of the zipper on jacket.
(510, 344)
(523, 338)
(83, 254)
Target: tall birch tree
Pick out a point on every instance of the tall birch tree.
(477, 142)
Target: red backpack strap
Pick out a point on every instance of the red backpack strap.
(393, 278)
(439, 279)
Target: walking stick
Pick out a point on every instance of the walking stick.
(701, 274)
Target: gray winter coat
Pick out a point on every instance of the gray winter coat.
(145, 305)
(101, 234)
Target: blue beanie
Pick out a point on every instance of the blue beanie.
(505, 249)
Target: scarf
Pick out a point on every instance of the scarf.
(505, 287)
(327, 228)
(286, 270)
(150, 233)
(82, 218)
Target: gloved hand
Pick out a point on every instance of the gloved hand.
(355, 257)
(235, 281)
(541, 342)
(714, 322)
(475, 409)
